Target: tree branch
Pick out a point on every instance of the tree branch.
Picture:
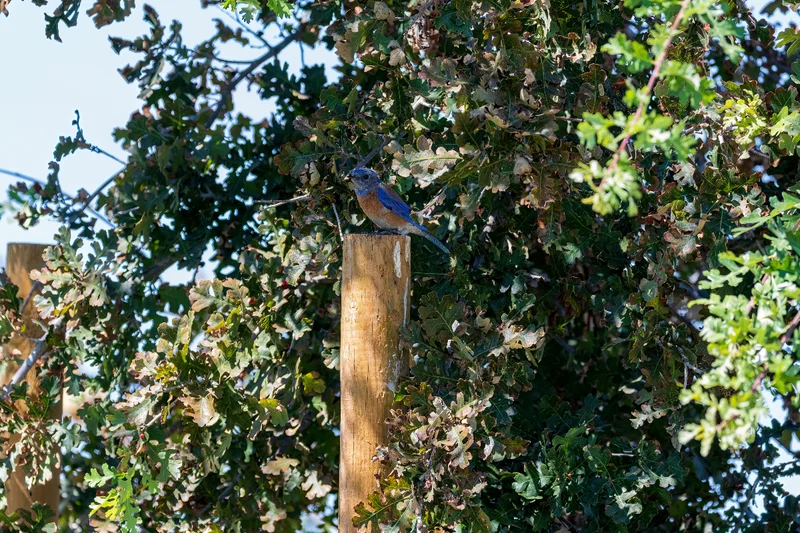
(222, 495)
(338, 222)
(35, 287)
(75, 214)
(685, 320)
(276, 203)
(787, 336)
(44, 184)
(23, 177)
(245, 27)
(370, 156)
(37, 353)
(659, 62)
(564, 344)
(96, 149)
(226, 91)
(759, 379)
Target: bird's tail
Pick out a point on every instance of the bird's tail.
(422, 232)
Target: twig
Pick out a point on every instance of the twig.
(302, 48)
(759, 378)
(72, 216)
(118, 214)
(82, 143)
(35, 287)
(214, 57)
(684, 319)
(244, 26)
(659, 62)
(37, 353)
(226, 91)
(422, 12)
(566, 119)
(276, 203)
(222, 495)
(689, 365)
(22, 177)
(338, 222)
(370, 156)
(564, 344)
(569, 525)
(787, 336)
(96, 149)
(159, 415)
(44, 184)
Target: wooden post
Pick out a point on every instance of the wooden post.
(20, 260)
(376, 276)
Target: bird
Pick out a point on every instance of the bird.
(385, 208)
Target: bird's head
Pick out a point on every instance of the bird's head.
(364, 179)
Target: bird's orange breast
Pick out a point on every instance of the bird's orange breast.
(378, 213)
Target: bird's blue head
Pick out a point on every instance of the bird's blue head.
(364, 180)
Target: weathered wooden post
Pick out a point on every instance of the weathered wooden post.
(20, 260)
(376, 277)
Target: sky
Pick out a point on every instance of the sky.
(44, 82)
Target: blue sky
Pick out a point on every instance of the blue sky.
(46, 81)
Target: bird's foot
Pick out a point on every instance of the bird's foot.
(385, 232)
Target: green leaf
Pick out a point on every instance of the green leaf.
(634, 57)
(279, 416)
(525, 484)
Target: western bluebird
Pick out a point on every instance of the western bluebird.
(385, 208)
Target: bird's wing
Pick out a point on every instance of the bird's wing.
(392, 201)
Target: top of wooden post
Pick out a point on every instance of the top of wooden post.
(21, 258)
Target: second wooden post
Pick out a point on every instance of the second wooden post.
(20, 260)
(376, 276)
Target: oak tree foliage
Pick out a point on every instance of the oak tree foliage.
(617, 181)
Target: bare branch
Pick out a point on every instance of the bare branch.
(690, 366)
(561, 342)
(276, 203)
(44, 184)
(96, 149)
(338, 222)
(35, 287)
(226, 91)
(245, 27)
(222, 495)
(23, 177)
(676, 313)
(787, 336)
(215, 57)
(37, 353)
(370, 156)
(759, 379)
(75, 214)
